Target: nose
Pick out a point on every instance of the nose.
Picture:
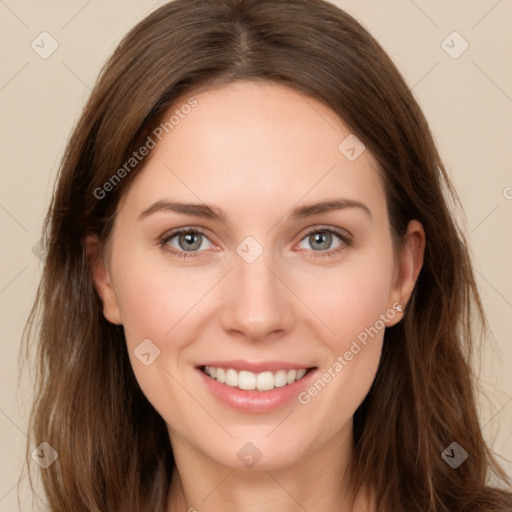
(258, 303)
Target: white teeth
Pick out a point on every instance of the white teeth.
(280, 378)
(263, 381)
(231, 378)
(290, 376)
(301, 373)
(246, 380)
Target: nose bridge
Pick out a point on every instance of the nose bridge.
(257, 304)
(252, 259)
(254, 280)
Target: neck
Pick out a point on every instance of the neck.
(317, 481)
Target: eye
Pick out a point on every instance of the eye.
(321, 241)
(185, 242)
(190, 242)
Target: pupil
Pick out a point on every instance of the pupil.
(189, 239)
(325, 236)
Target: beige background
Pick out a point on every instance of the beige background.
(468, 101)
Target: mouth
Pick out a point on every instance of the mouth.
(255, 387)
(261, 381)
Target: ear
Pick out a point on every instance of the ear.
(407, 269)
(96, 256)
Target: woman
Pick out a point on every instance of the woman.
(197, 349)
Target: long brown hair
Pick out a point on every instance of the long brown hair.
(113, 448)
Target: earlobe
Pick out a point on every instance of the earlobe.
(408, 267)
(101, 279)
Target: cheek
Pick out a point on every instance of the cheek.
(352, 298)
(155, 298)
(158, 304)
(354, 307)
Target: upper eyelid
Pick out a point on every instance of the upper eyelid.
(305, 233)
(345, 237)
(332, 229)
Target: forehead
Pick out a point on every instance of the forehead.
(256, 145)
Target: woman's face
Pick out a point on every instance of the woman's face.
(264, 281)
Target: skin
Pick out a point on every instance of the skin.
(256, 150)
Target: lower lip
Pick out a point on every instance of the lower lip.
(253, 400)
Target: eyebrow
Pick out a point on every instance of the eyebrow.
(212, 212)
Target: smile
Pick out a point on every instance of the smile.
(246, 380)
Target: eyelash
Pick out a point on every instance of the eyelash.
(345, 239)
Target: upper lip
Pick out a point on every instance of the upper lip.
(257, 367)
